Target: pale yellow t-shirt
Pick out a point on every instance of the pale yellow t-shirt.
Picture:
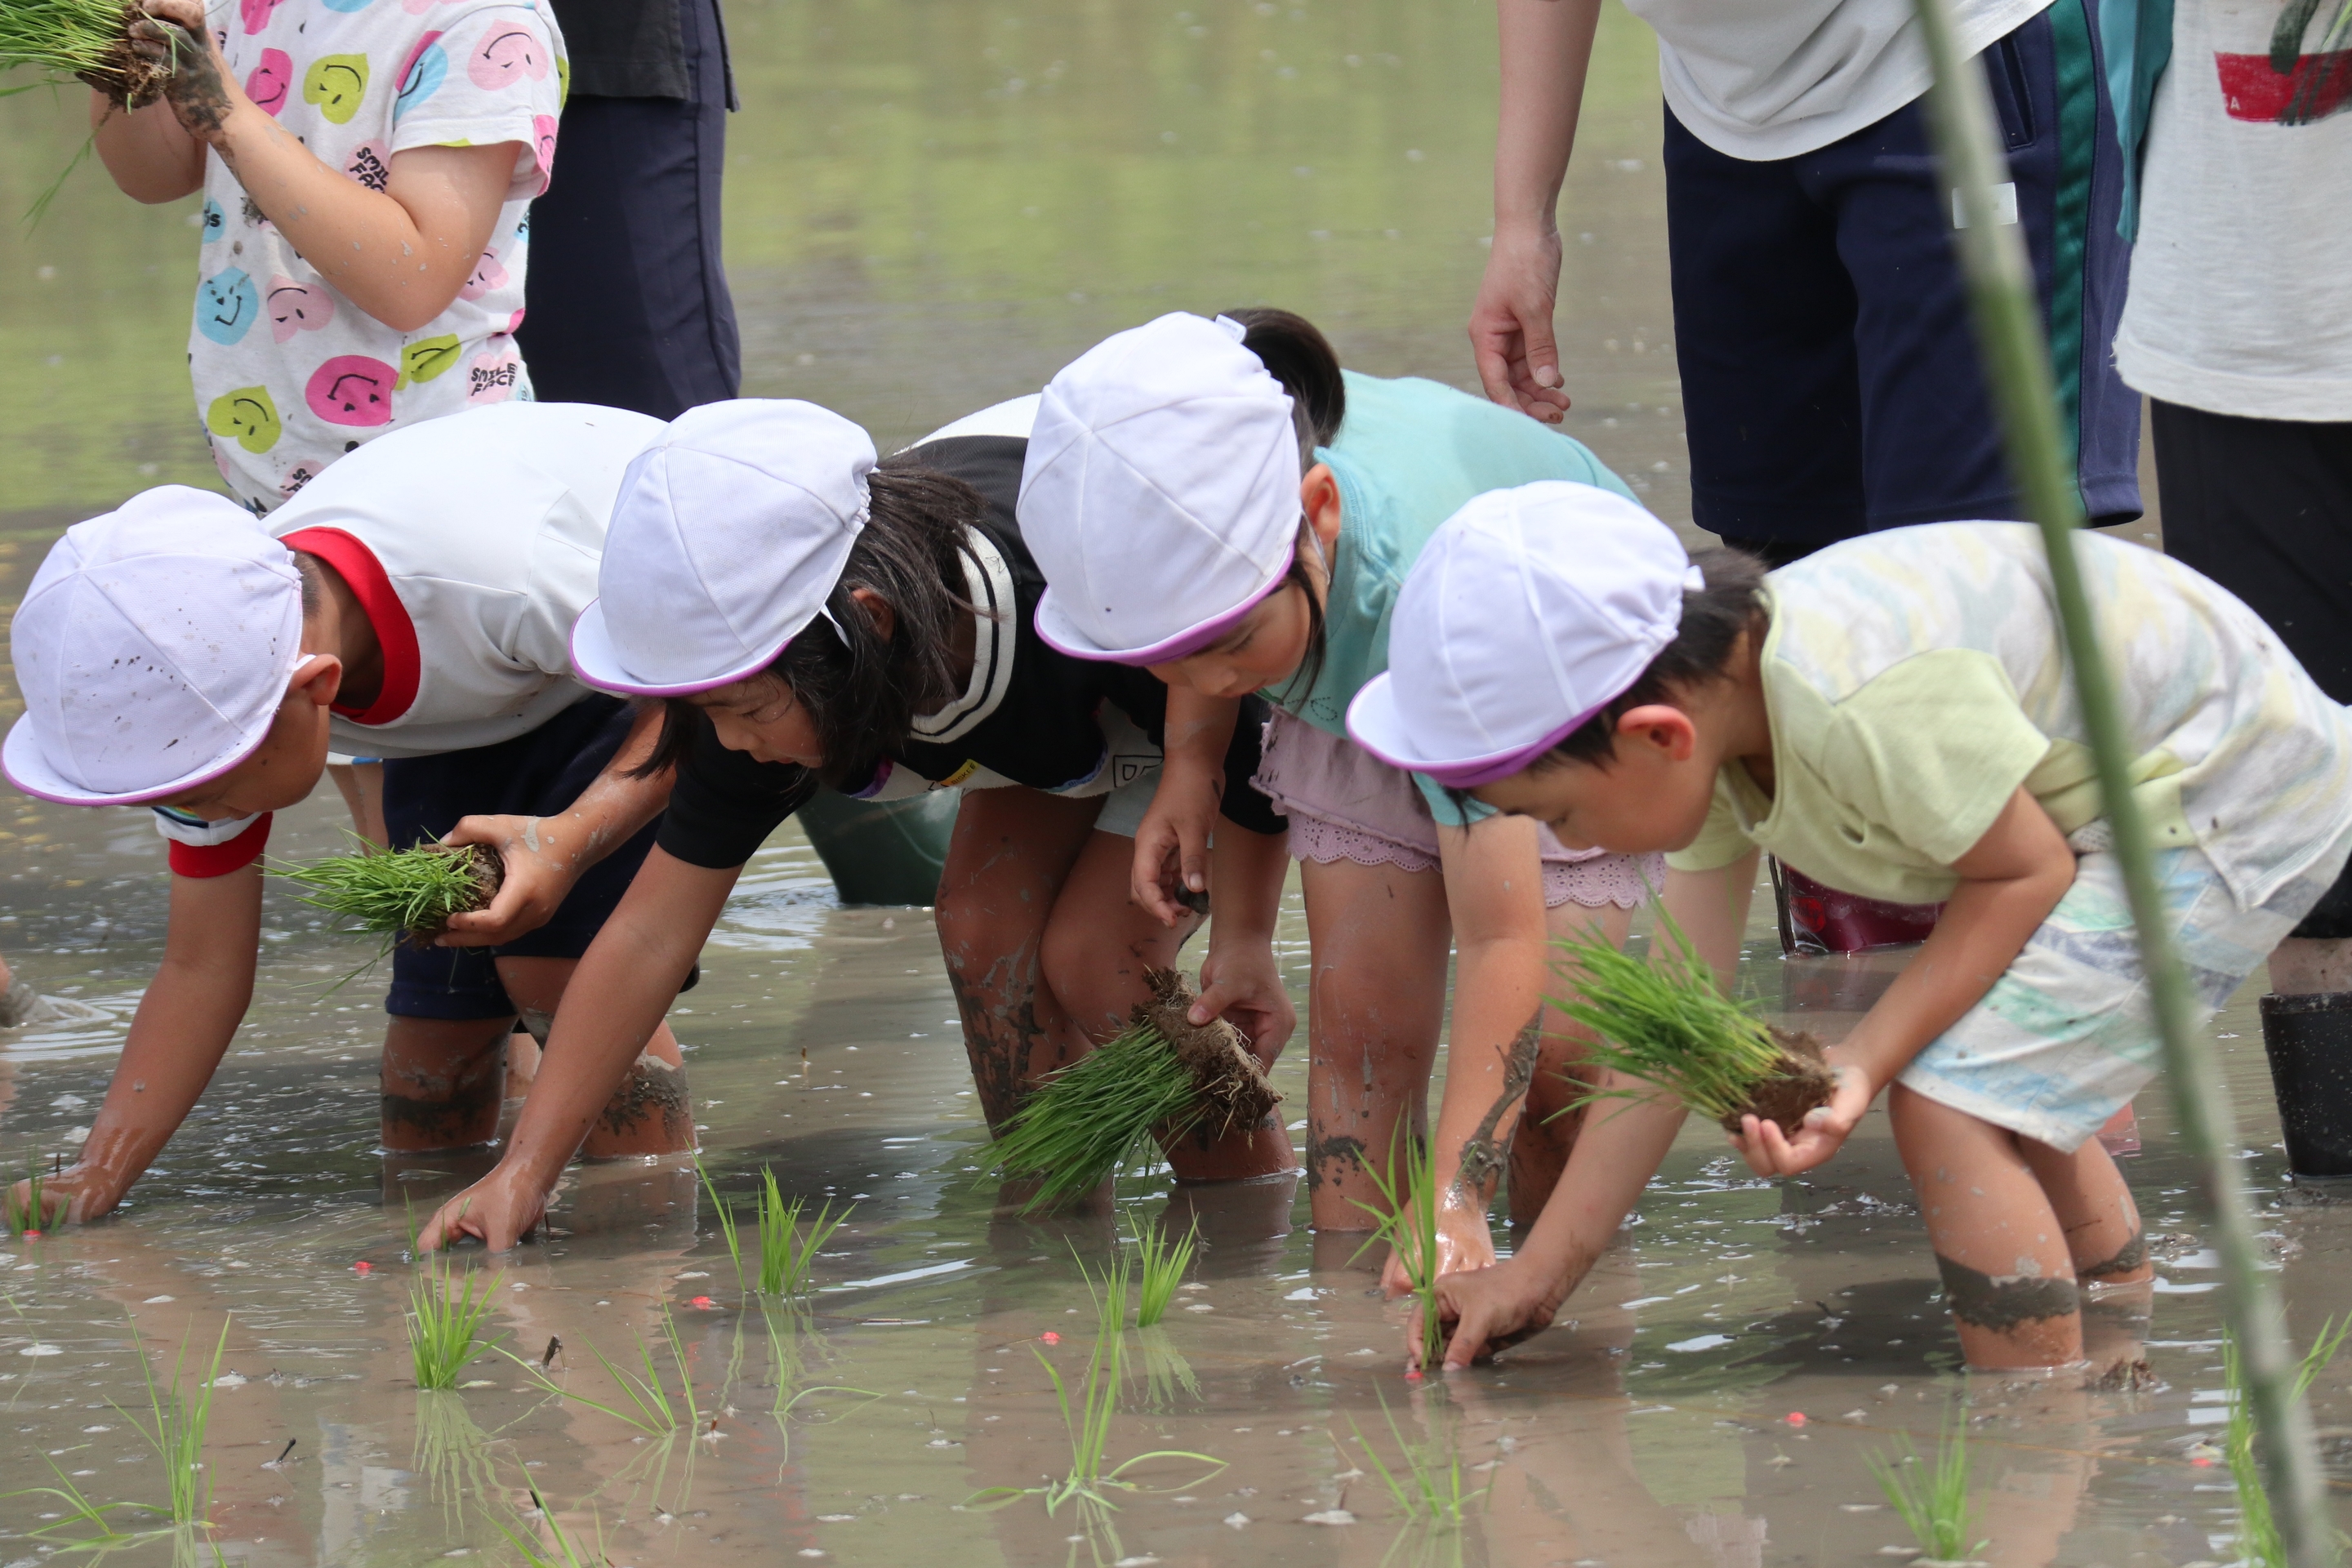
(1915, 677)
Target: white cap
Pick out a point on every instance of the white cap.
(1528, 612)
(729, 535)
(1160, 493)
(152, 649)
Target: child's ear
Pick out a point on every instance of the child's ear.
(318, 678)
(1667, 731)
(1319, 497)
(877, 610)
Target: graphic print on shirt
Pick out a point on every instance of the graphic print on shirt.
(359, 82)
(2286, 86)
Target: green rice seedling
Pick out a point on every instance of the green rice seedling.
(1408, 1190)
(401, 894)
(787, 1257)
(75, 1511)
(1087, 1420)
(176, 1430)
(1163, 1074)
(445, 1322)
(27, 1219)
(1933, 1500)
(1665, 1021)
(1427, 1485)
(2259, 1545)
(726, 1216)
(648, 1406)
(558, 1549)
(1163, 1263)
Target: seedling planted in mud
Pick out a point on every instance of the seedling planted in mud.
(1408, 1190)
(786, 1258)
(1164, 1075)
(1665, 1021)
(1933, 1500)
(2259, 1545)
(1163, 1263)
(445, 1322)
(651, 1410)
(1087, 1422)
(401, 894)
(1430, 1487)
(27, 1219)
(556, 1550)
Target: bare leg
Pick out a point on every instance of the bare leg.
(651, 1113)
(443, 1080)
(2001, 1245)
(2095, 1205)
(1374, 1009)
(1097, 946)
(1011, 853)
(1546, 1134)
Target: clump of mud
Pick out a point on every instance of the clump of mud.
(127, 77)
(1799, 1080)
(1231, 1086)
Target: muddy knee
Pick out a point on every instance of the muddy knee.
(2128, 1266)
(2006, 1303)
(648, 1114)
(443, 1108)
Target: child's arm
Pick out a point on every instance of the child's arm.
(2010, 881)
(177, 1039)
(151, 156)
(1615, 1154)
(611, 1006)
(544, 856)
(1547, 45)
(1171, 846)
(401, 254)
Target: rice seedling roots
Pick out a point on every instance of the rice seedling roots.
(1798, 1081)
(489, 873)
(1226, 1077)
(127, 78)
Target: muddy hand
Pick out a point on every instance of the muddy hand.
(1772, 1153)
(1487, 1309)
(200, 89)
(1464, 1243)
(1241, 986)
(540, 860)
(498, 1211)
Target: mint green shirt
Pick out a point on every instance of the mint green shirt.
(1411, 453)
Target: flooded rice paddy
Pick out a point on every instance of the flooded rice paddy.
(932, 207)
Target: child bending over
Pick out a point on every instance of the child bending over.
(1893, 716)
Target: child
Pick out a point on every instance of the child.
(1892, 715)
(367, 171)
(413, 605)
(807, 613)
(1220, 502)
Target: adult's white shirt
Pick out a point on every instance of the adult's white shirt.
(2240, 300)
(472, 541)
(1775, 79)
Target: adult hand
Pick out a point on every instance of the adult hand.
(174, 38)
(1772, 1153)
(1488, 1309)
(1510, 325)
(498, 1211)
(1241, 983)
(1465, 1242)
(541, 868)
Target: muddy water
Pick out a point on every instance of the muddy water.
(932, 208)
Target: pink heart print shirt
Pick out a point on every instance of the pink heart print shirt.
(289, 374)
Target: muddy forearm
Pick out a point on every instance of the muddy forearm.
(613, 1003)
(1477, 1152)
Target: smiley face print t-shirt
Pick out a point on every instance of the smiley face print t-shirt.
(289, 374)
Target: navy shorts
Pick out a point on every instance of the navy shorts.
(537, 774)
(1830, 377)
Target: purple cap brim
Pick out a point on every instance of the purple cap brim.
(1183, 645)
(1469, 773)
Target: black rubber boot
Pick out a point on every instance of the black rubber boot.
(2309, 1039)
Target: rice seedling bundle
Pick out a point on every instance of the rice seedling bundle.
(85, 40)
(1165, 1076)
(1666, 1022)
(404, 894)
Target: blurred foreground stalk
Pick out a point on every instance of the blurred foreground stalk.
(2016, 369)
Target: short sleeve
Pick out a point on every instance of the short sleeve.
(493, 75)
(1721, 840)
(206, 849)
(1932, 750)
(1449, 812)
(725, 804)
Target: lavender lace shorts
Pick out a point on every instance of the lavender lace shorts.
(1345, 805)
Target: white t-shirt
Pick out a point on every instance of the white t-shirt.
(1774, 78)
(2240, 300)
(289, 374)
(472, 542)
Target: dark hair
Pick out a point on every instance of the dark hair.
(865, 693)
(1712, 618)
(1297, 354)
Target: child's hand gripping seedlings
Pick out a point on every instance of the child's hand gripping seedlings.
(84, 41)
(1164, 1075)
(1666, 1022)
(404, 895)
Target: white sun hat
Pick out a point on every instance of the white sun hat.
(1528, 612)
(152, 648)
(729, 535)
(1160, 494)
